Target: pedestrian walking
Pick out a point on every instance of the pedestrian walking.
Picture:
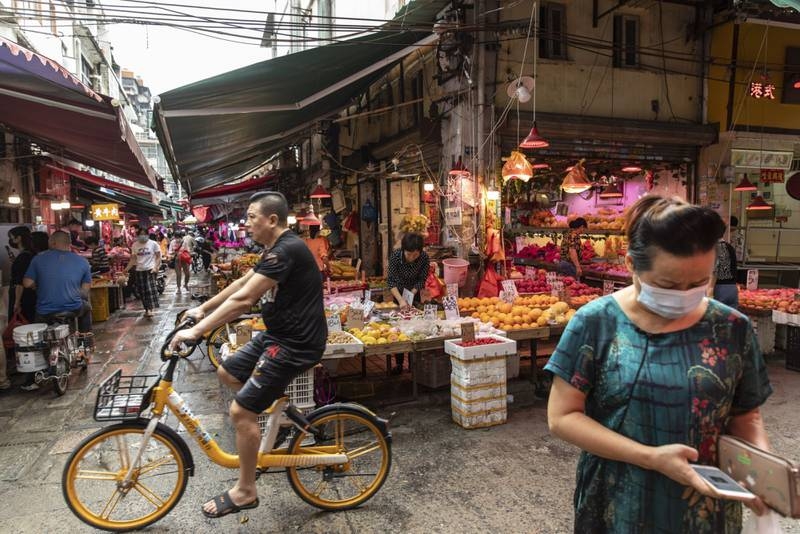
(143, 265)
(646, 380)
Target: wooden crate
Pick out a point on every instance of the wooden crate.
(433, 369)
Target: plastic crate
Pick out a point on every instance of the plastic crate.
(301, 389)
(122, 397)
(765, 332)
(433, 369)
(793, 348)
(264, 417)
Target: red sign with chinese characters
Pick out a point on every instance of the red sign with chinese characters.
(762, 90)
(772, 176)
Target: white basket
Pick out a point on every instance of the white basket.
(29, 335)
(504, 348)
(344, 350)
(301, 389)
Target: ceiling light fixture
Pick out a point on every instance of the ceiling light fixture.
(14, 198)
(745, 185)
(576, 180)
(759, 204)
(320, 191)
(517, 167)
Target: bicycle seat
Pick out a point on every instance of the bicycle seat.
(62, 317)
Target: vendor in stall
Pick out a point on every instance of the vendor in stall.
(570, 263)
(408, 269)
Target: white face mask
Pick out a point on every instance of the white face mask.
(142, 239)
(670, 303)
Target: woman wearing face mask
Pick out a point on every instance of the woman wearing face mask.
(646, 379)
(146, 259)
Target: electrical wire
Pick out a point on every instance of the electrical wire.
(663, 58)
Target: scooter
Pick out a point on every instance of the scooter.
(161, 278)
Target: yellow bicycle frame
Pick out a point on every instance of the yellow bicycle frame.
(165, 396)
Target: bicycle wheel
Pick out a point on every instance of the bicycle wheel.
(345, 486)
(62, 375)
(93, 485)
(214, 342)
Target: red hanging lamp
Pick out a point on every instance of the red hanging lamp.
(534, 140)
(745, 185)
(458, 168)
(759, 204)
(320, 191)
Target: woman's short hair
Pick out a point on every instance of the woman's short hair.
(412, 242)
(670, 224)
(24, 233)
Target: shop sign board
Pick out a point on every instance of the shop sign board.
(105, 212)
(762, 159)
(468, 331)
(772, 176)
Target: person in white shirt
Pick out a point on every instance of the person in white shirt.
(145, 262)
(188, 244)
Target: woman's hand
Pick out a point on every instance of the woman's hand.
(673, 461)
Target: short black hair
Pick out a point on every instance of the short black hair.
(734, 221)
(580, 222)
(412, 242)
(142, 231)
(40, 241)
(272, 203)
(672, 225)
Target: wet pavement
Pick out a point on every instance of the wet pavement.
(510, 478)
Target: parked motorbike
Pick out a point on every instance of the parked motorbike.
(161, 278)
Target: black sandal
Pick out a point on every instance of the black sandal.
(225, 506)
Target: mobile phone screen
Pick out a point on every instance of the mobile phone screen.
(722, 485)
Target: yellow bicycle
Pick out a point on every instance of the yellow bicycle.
(131, 474)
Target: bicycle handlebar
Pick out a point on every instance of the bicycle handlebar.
(167, 354)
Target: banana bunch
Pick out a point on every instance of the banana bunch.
(342, 269)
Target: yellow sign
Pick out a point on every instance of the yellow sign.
(105, 212)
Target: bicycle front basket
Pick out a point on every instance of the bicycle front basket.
(122, 397)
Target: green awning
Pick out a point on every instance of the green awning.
(219, 129)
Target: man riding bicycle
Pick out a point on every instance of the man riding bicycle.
(287, 282)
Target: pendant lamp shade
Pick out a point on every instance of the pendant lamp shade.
(576, 180)
(746, 185)
(320, 191)
(14, 198)
(517, 167)
(540, 166)
(310, 219)
(534, 140)
(459, 169)
(758, 204)
(631, 169)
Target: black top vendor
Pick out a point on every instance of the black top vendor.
(408, 268)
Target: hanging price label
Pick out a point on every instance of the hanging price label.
(429, 312)
(551, 277)
(408, 296)
(334, 323)
(368, 306)
(450, 305)
(530, 273)
(367, 295)
(509, 291)
(608, 287)
(557, 288)
(452, 290)
(752, 279)
(355, 317)
(468, 331)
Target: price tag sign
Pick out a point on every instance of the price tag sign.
(530, 273)
(367, 295)
(452, 290)
(468, 331)
(557, 288)
(509, 291)
(752, 279)
(334, 323)
(429, 312)
(368, 306)
(450, 304)
(551, 277)
(355, 317)
(408, 296)
(608, 287)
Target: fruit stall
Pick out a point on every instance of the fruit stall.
(775, 314)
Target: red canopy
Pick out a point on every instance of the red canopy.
(252, 184)
(41, 100)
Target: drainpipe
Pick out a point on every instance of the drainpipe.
(481, 81)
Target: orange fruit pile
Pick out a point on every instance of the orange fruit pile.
(527, 312)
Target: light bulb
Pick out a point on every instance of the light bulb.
(89, 223)
(65, 205)
(493, 194)
(428, 187)
(14, 198)
(291, 219)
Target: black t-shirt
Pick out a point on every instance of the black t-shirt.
(293, 310)
(18, 269)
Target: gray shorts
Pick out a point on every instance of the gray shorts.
(265, 368)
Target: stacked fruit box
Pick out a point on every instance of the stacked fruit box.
(478, 380)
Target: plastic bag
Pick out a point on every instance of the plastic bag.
(490, 285)
(185, 256)
(762, 524)
(16, 320)
(435, 287)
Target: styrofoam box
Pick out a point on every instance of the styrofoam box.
(779, 317)
(478, 406)
(477, 369)
(344, 350)
(480, 421)
(471, 393)
(505, 347)
(477, 379)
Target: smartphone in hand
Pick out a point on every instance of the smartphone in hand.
(722, 486)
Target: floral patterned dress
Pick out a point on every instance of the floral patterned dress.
(657, 389)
